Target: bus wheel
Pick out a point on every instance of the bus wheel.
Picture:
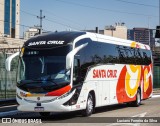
(89, 107)
(44, 114)
(137, 102)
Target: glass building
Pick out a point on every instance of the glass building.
(10, 17)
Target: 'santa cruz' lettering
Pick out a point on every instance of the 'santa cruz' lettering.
(53, 42)
(99, 73)
(37, 43)
(112, 73)
(104, 73)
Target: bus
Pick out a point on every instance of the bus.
(76, 70)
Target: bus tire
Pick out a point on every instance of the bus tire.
(45, 114)
(137, 102)
(89, 106)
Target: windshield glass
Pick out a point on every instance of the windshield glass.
(44, 65)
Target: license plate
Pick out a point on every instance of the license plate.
(39, 109)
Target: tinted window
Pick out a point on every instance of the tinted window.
(85, 56)
(146, 57)
(102, 53)
(60, 51)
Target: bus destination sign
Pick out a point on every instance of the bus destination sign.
(51, 42)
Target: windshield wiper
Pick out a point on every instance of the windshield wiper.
(51, 80)
(28, 82)
(22, 82)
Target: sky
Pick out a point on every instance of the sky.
(63, 15)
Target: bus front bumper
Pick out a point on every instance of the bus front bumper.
(44, 107)
(46, 104)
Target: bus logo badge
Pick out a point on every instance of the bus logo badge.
(38, 98)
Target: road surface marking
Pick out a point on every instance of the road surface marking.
(155, 96)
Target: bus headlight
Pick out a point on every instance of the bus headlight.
(73, 99)
(65, 95)
(19, 97)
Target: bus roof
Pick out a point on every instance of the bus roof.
(54, 39)
(119, 41)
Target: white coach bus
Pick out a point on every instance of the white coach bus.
(70, 71)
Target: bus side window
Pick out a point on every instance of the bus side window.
(146, 57)
(76, 71)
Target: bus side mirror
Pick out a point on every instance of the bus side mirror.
(9, 59)
(70, 56)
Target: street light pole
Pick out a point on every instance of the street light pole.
(159, 16)
(159, 12)
(41, 18)
(149, 39)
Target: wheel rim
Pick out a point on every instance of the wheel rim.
(138, 98)
(90, 105)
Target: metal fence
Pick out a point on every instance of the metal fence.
(156, 77)
(8, 79)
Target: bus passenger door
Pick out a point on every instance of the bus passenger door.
(76, 69)
(105, 92)
(113, 98)
(98, 93)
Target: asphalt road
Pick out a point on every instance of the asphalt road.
(149, 108)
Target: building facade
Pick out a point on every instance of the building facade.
(31, 32)
(142, 35)
(10, 18)
(119, 30)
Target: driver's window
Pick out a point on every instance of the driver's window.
(76, 69)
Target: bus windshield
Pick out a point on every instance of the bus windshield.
(44, 66)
